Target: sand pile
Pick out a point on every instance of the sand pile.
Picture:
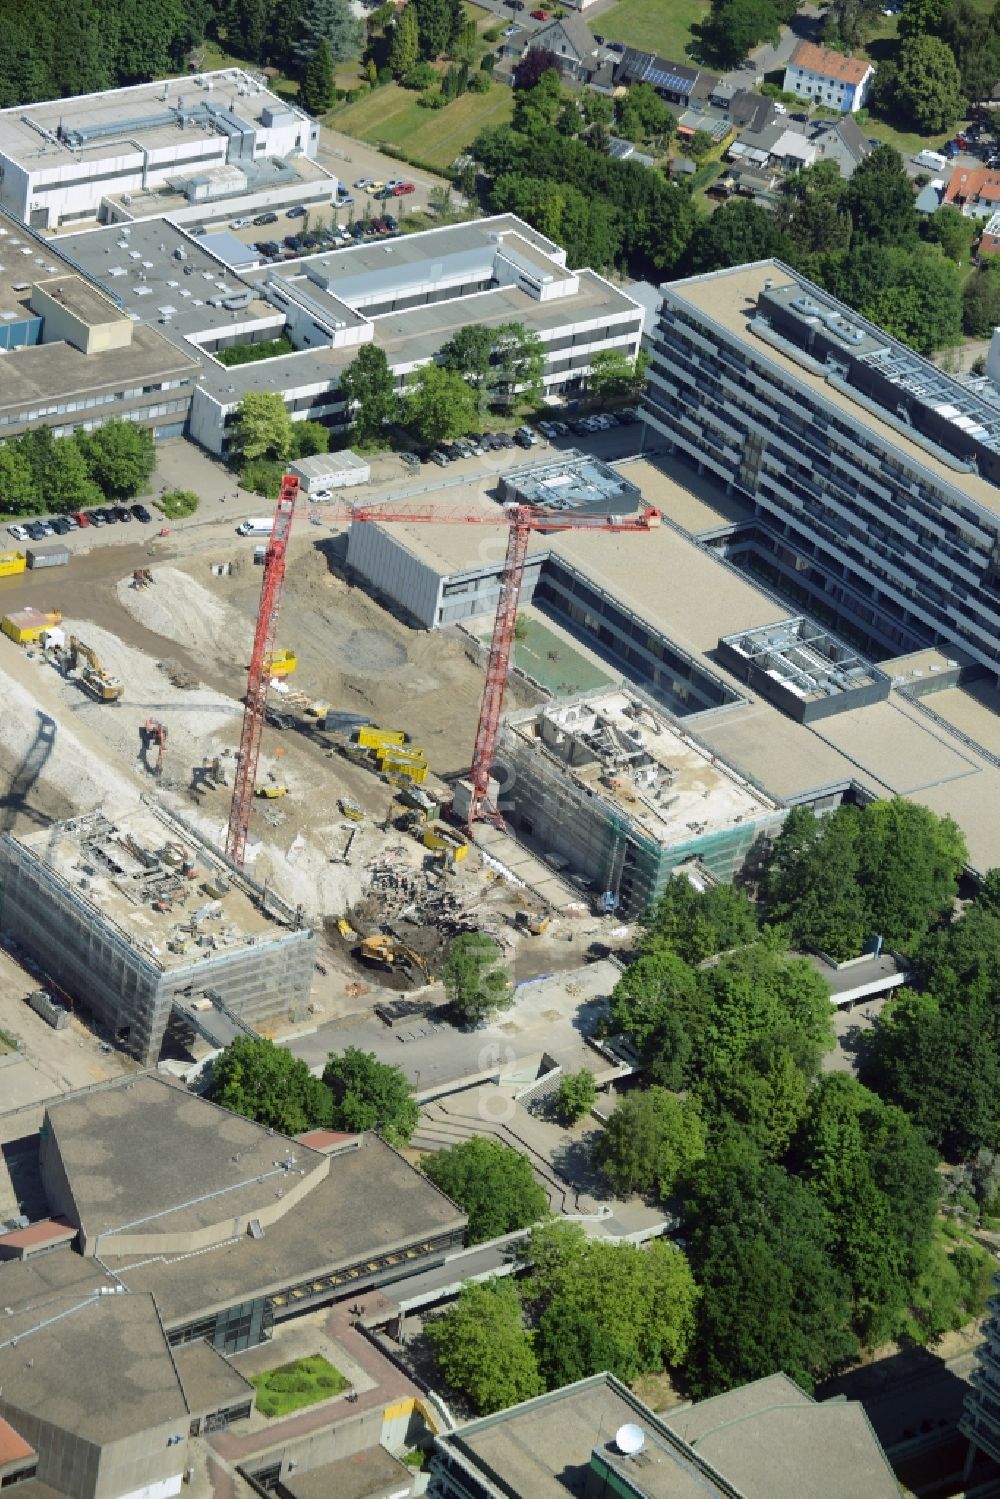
(180, 608)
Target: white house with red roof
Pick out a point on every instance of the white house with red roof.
(828, 78)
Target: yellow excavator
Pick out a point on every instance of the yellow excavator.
(383, 951)
(91, 674)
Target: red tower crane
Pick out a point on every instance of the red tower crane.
(521, 521)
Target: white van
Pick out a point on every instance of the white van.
(256, 527)
(932, 159)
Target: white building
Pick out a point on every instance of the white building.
(828, 78)
(208, 136)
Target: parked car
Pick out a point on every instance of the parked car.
(505, 440)
(403, 189)
(46, 528)
(108, 511)
(72, 522)
(95, 517)
(19, 533)
(527, 433)
(295, 213)
(292, 242)
(266, 218)
(628, 416)
(122, 512)
(618, 47)
(598, 38)
(83, 519)
(441, 459)
(61, 525)
(269, 247)
(359, 229)
(540, 15)
(561, 429)
(344, 200)
(374, 187)
(523, 439)
(363, 183)
(547, 429)
(511, 30)
(35, 531)
(241, 224)
(465, 447)
(390, 223)
(141, 513)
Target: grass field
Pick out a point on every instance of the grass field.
(551, 660)
(291, 1386)
(392, 116)
(662, 26)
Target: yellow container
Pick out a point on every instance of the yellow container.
(438, 835)
(400, 773)
(281, 663)
(12, 562)
(370, 737)
(25, 626)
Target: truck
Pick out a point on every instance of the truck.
(259, 526)
(933, 160)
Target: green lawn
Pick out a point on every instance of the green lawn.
(291, 1386)
(553, 661)
(662, 26)
(392, 116)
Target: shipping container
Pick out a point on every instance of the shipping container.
(50, 556)
(12, 562)
(25, 626)
(51, 1011)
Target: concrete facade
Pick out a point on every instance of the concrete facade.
(875, 479)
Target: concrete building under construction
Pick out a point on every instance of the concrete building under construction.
(613, 793)
(152, 922)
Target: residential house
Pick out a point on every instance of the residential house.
(673, 81)
(974, 190)
(989, 245)
(570, 40)
(778, 146)
(828, 78)
(841, 141)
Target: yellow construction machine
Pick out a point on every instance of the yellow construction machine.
(270, 790)
(92, 676)
(384, 951)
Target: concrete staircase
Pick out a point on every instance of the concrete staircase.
(441, 1126)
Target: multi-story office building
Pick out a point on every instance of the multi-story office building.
(62, 158)
(980, 1420)
(875, 478)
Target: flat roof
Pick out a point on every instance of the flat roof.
(729, 298)
(145, 1156)
(135, 862)
(81, 300)
(774, 1442)
(46, 1231)
(572, 480)
(13, 1447)
(97, 1366)
(539, 1450)
(209, 1381)
(32, 134)
(370, 1474)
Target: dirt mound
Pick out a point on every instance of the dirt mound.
(179, 607)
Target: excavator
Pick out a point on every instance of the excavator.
(153, 732)
(91, 674)
(384, 951)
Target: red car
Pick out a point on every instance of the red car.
(82, 518)
(402, 188)
(540, 15)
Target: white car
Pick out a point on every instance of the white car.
(19, 533)
(364, 182)
(547, 429)
(241, 223)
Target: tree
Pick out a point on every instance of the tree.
(368, 387)
(652, 1139)
(481, 1346)
(915, 295)
(981, 303)
(613, 375)
(642, 114)
(318, 82)
(737, 232)
(492, 1183)
(329, 21)
(369, 1094)
(573, 1344)
(404, 50)
(469, 352)
(772, 1294)
(537, 109)
(18, 490)
(440, 24)
(646, 1296)
(950, 229)
(659, 983)
(697, 923)
(266, 1083)
(879, 199)
(310, 439)
(439, 404)
(920, 16)
(699, 145)
(910, 862)
(736, 26)
(532, 68)
(68, 485)
(877, 1179)
(812, 886)
(263, 427)
(575, 1096)
(120, 457)
(475, 983)
(928, 85)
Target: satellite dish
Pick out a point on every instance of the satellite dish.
(630, 1439)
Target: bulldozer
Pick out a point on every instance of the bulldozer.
(384, 951)
(91, 674)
